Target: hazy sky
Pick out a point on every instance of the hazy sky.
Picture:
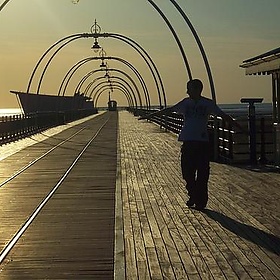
(230, 30)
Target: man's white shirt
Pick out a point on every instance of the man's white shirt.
(196, 114)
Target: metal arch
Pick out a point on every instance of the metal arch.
(202, 51)
(74, 68)
(4, 4)
(118, 88)
(175, 37)
(116, 83)
(80, 63)
(94, 35)
(131, 42)
(128, 97)
(89, 74)
(142, 81)
(91, 83)
(128, 85)
(84, 78)
(76, 36)
(122, 88)
(131, 80)
(87, 35)
(105, 88)
(49, 62)
(135, 100)
(102, 77)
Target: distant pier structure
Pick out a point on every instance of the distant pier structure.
(112, 104)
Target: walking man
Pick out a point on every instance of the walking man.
(195, 150)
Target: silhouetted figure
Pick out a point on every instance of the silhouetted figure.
(195, 150)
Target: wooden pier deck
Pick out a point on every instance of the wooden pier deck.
(144, 230)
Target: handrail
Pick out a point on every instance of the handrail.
(233, 145)
(13, 128)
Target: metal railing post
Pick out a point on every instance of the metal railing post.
(252, 126)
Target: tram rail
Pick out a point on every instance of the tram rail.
(82, 149)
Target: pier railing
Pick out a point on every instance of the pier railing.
(232, 146)
(16, 127)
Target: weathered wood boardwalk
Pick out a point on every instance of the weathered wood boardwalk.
(155, 235)
(73, 235)
(237, 237)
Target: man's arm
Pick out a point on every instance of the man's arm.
(230, 120)
(174, 108)
(157, 113)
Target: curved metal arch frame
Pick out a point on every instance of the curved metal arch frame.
(184, 56)
(4, 4)
(120, 87)
(98, 78)
(135, 86)
(80, 63)
(142, 81)
(133, 44)
(183, 14)
(200, 46)
(123, 38)
(130, 79)
(102, 91)
(127, 84)
(76, 36)
(128, 97)
(114, 83)
(49, 62)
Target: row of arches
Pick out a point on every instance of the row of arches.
(135, 86)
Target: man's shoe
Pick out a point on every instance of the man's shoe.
(199, 207)
(190, 203)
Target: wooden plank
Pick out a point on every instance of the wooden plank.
(233, 239)
(156, 235)
(73, 236)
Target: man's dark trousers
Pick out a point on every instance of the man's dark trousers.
(195, 170)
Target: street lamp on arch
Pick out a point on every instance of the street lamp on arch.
(95, 30)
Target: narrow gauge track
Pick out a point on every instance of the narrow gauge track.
(35, 160)
(103, 120)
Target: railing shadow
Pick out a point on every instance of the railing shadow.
(261, 238)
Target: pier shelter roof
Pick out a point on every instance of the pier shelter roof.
(269, 64)
(265, 63)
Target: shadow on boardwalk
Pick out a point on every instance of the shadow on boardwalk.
(261, 238)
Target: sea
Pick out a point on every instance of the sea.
(10, 112)
(235, 110)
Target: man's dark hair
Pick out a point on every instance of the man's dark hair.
(196, 83)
